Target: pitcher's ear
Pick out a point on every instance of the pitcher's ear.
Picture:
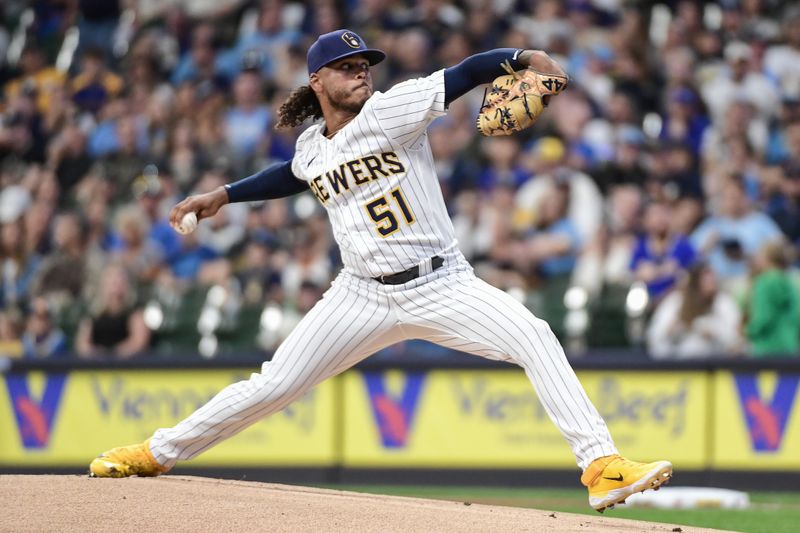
(314, 82)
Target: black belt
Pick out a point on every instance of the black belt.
(407, 275)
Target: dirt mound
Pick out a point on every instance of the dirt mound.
(176, 503)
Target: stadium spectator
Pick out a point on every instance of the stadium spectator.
(124, 162)
(740, 81)
(42, 339)
(132, 245)
(200, 63)
(68, 158)
(730, 238)
(607, 258)
(225, 232)
(95, 84)
(773, 311)
(36, 78)
(17, 264)
(256, 270)
(626, 166)
(98, 23)
(185, 162)
(247, 122)
(10, 334)
(503, 164)
(309, 263)
(263, 48)
(684, 120)
(660, 255)
(65, 271)
(552, 247)
(782, 59)
(695, 320)
(115, 328)
(36, 221)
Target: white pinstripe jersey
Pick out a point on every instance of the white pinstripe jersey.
(377, 181)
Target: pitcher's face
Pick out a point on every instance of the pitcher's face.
(346, 84)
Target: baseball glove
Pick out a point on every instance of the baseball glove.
(516, 100)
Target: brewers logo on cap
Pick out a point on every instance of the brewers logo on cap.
(351, 40)
(329, 48)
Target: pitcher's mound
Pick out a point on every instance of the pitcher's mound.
(177, 503)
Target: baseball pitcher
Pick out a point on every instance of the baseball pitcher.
(369, 164)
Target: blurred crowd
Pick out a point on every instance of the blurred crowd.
(655, 204)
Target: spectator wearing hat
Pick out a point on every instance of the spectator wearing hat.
(546, 162)
(739, 81)
(773, 311)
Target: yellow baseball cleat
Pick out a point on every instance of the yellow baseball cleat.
(134, 460)
(613, 478)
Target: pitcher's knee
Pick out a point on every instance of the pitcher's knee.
(540, 327)
(274, 388)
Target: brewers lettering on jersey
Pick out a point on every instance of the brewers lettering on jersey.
(369, 164)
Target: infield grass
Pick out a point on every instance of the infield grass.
(770, 512)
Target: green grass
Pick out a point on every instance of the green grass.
(770, 512)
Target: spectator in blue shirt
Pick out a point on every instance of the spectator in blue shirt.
(731, 237)
(269, 42)
(200, 62)
(247, 123)
(660, 256)
(554, 246)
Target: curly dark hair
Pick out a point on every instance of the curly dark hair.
(299, 106)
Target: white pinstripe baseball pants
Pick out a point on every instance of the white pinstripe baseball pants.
(357, 317)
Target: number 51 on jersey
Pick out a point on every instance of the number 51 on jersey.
(381, 212)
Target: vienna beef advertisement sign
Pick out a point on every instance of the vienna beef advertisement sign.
(470, 419)
(440, 418)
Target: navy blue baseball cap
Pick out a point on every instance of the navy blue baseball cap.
(337, 45)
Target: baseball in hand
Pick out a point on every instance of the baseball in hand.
(188, 223)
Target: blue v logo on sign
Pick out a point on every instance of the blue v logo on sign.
(35, 416)
(394, 415)
(766, 418)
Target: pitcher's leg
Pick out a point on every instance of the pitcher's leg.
(467, 314)
(344, 327)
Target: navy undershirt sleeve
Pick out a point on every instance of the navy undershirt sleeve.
(477, 70)
(277, 181)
